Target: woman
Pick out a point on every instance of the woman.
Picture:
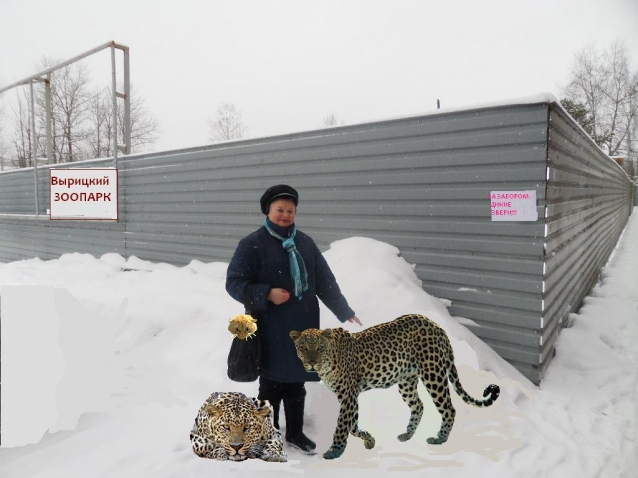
(287, 273)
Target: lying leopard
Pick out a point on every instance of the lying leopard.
(231, 426)
(397, 352)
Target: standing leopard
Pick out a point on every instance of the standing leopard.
(231, 426)
(397, 352)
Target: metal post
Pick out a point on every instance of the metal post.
(61, 65)
(49, 115)
(114, 95)
(34, 156)
(45, 76)
(127, 103)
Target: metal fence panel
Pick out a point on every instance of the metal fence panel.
(44, 177)
(588, 204)
(23, 237)
(17, 192)
(420, 184)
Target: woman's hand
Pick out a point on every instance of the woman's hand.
(354, 320)
(278, 296)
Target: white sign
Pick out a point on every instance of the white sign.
(84, 194)
(513, 205)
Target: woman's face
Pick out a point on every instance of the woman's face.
(282, 212)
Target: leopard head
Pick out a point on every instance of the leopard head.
(313, 346)
(242, 326)
(237, 426)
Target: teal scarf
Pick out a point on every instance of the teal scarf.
(298, 272)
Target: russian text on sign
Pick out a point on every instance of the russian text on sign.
(84, 193)
(513, 205)
(87, 182)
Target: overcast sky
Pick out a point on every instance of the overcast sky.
(289, 64)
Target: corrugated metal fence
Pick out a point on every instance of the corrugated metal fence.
(589, 199)
(420, 183)
(24, 235)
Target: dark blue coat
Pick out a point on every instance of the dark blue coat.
(261, 260)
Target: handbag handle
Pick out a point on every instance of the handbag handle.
(249, 306)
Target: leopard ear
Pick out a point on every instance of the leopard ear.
(212, 410)
(294, 335)
(264, 412)
(260, 404)
(327, 333)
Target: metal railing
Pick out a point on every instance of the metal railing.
(45, 77)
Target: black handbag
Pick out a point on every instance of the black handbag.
(245, 355)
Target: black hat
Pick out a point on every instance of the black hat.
(276, 192)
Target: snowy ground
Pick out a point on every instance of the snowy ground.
(171, 344)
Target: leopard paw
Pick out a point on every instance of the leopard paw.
(436, 440)
(405, 436)
(332, 453)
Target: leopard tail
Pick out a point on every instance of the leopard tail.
(490, 394)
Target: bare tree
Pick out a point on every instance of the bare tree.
(81, 119)
(227, 124)
(630, 165)
(4, 158)
(3, 146)
(608, 90)
(71, 100)
(20, 140)
(330, 120)
(100, 119)
(144, 127)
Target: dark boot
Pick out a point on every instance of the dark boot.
(271, 391)
(275, 409)
(294, 410)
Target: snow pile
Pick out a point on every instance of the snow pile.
(170, 345)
